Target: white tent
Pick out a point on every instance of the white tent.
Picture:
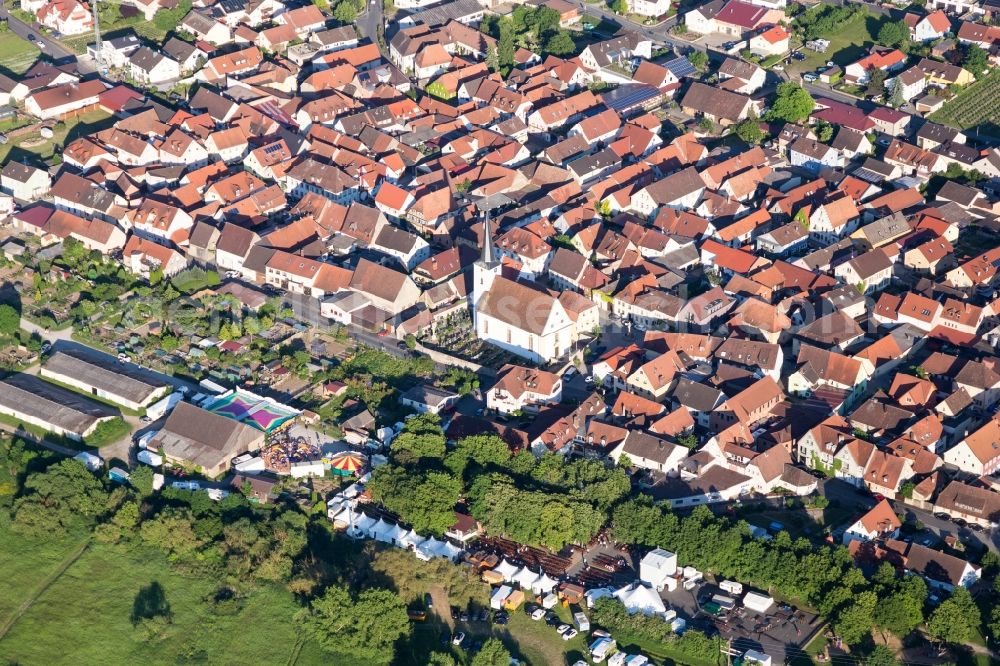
(340, 515)
(395, 534)
(428, 549)
(363, 525)
(506, 569)
(384, 531)
(544, 584)
(447, 550)
(410, 539)
(525, 577)
(638, 598)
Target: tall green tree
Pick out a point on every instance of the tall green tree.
(345, 11)
(854, 622)
(975, 59)
(792, 103)
(493, 653)
(505, 46)
(894, 33)
(956, 620)
(749, 130)
(876, 82)
(493, 62)
(425, 499)
(881, 655)
(699, 59)
(899, 613)
(896, 98)
(363, 628)
(560, 43)
(65, 494)
(422, 439)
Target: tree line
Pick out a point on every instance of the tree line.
(822, 577)
(547, 501)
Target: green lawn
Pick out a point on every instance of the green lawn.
(32, 147)
(17, 54)
(84, 616)
(807, 657)
(848, 44)
(25, 563)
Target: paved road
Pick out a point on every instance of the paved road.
(371, 20)
(48, 45)
(47, 334)
(825, 91)
(658, 33)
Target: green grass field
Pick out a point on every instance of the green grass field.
(17, 54)
(83, 617)
(25, 563)
(88, 606)
(848, 44)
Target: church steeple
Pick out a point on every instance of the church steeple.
(483, 271)
(487, 255)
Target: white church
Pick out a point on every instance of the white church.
(517, 316)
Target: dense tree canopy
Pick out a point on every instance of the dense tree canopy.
(956, 620)
(365, 627)
(792, 104)
(749, 131)
(825, 578)
(493, 653)
(64, 495)
(894, 33)
(424, 499)
(975, 59)
(421, 438)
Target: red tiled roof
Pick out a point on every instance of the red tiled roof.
(742, 14)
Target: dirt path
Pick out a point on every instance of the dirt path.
(44, 585)
(442, 606)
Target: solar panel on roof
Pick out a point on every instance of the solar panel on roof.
(680, 67)
(629, 96)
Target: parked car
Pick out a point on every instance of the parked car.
(570, 634)
(458, 639)
(538, 614)
(563, 628)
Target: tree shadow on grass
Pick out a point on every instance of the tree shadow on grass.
(150, 602)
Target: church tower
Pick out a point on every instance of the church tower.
(484, 271)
